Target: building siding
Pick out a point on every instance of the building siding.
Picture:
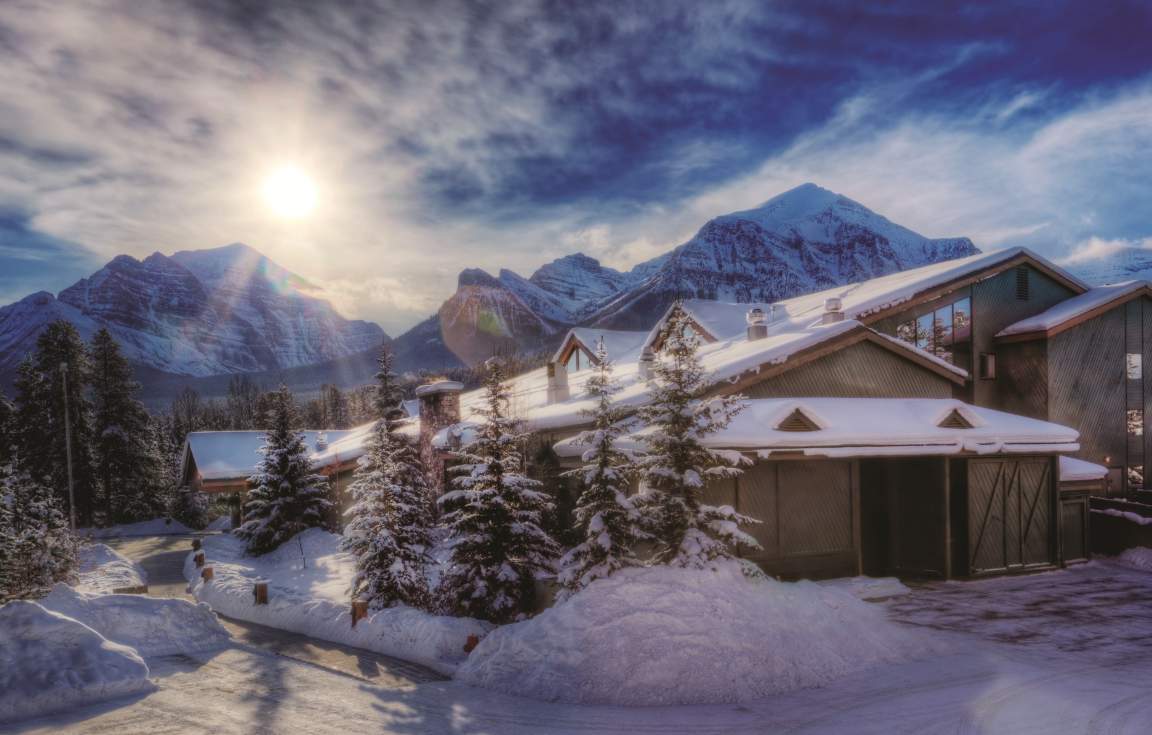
(862, 370)
(1022, 378)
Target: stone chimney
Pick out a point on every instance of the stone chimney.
(757, 324)
(321, 441)
(439, 408)
(833, 311)
(647, 359)
(557, 383)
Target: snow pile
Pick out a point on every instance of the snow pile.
(103, 569)
(153, 527)
(153, 626)
(49, 662)
(308, 592)
(1139, 557)
(223, 523)
(869, 588)
(661, 635)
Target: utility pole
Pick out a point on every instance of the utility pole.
(68, 446)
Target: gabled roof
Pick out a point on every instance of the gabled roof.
(1076, 310)
(620, 345)
(863, 427)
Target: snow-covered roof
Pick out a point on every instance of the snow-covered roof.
(1075, 307)
(232, 455)
(1078, 470)
(867, 427)
(619, 344)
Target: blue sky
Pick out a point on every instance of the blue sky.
(442, 135)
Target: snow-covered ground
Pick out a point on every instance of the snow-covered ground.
(153, 527)
(680, 636)
(49, 662)
(103, 569)
(308, 592)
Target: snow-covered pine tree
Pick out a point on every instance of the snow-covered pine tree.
(287, 497)
(675, 466)
(190, 507)
(40, 417)
(7, 429)
(41, 548)
(493, 516)
(606, 519)
(390, 520)
(127, 466)
(7, 538)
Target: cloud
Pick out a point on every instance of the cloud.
(1095, 248)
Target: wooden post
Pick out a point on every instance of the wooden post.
(199, 559)
(196, 544)
(136, 590)
(260, 593)
(359, 611)
(206, 574)
(473, 641)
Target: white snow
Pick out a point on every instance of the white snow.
(49, 662)
(231, 455)
(153, 626)
(663, 635)
(1139, 557)
(153, 527)
(621, 345)
(1076, 306)
(1079, 470)
(103, 569)
(861, 427)
(1136, 518)
(869, 588)
(223, 523)
(308, 592)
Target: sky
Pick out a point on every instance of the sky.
(444, 135)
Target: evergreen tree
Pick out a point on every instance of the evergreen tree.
(127, 466)
(287, 497)
(606, 519)
(493, 517)
(7, 430)
(389, 531)
(40, 417)
(676, 466)
(40, 548)
(190, 508)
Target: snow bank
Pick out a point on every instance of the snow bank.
(308, 582)
(1137, 558)
(153, 527)
(49, 662)
(103, 569)
(153, 626)
(660, 636)
(868, 588)
(223, 523)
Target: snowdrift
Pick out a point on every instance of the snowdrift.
(308, 592)
(103, 569)
(1139, 557)
(153, 626)
(661, 636)
(49, 662)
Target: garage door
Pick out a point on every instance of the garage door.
(1009, 514)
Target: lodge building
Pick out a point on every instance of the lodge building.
(947, 421)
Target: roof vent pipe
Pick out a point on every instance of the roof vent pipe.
(647, 360)
(321, 441)
(557, 383)
(833, 311)
(757, 324)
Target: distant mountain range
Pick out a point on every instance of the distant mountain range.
(196, 317)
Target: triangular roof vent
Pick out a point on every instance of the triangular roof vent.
(797, 421)
(955, 420)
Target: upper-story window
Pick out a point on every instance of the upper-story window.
(945, 332)
(577, 360)
(1135, 366)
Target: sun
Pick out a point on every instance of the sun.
(290, 193)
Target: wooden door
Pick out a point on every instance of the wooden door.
(1009, 514)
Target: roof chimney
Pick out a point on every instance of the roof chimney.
(439, 407)
(833, 311)
(647, 360)
(557, 383)
(757, 324)
(321, 441)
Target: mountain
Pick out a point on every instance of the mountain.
(803, 240)
(1125, 264)
(195, 313)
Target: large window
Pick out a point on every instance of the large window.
(1136, 422)
(1135, 365)
(945, 332)
(578, 360)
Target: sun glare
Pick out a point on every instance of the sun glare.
(290, 193)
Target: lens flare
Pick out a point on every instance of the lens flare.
(290, 193)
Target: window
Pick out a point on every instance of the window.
(945, 332)
(1135, 422)
(987, 367)
(1135, 365)
(1135, 476)
(577, 360)
(1022, 283)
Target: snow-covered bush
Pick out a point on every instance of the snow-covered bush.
(190, 507)
(666, 635)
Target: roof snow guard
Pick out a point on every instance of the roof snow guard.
(875, 427)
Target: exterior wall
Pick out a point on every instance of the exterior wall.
(1086, 386)
(862, 370)
(1022, 378)
(808, 512)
